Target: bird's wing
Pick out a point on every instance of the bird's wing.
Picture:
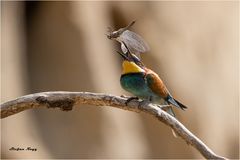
(156, 84)
(134, 42)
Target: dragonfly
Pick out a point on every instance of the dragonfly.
(134, 42)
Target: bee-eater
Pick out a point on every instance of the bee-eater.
(133, 41)
(144, 83)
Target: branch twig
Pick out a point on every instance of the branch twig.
(66, 100)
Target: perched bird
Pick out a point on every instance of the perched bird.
(144, 83)
(133, 41)
(136, 78)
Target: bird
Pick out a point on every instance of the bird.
(132, 40)
(144, 83)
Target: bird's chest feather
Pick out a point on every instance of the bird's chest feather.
(136, 84)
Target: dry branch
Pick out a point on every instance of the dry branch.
(66, 100)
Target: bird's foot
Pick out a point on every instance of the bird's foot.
(144, 102)
(130, 99)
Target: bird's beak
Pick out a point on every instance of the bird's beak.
(136, 60)
(125, 57)
(132, 57)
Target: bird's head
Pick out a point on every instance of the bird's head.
(131, 63)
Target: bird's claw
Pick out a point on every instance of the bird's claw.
(144, 103)
(130, 99)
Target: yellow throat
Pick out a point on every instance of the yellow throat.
(131, 67)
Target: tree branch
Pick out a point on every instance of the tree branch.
(66, 100)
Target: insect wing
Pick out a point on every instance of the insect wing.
(124, 49)
(134, 42)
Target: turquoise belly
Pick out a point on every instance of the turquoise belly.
(136, 84)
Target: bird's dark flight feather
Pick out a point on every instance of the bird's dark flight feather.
(181, 105)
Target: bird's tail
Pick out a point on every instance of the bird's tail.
(180, 104)
(175, 102)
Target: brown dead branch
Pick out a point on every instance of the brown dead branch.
(66, 100)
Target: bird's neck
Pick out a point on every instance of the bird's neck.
(131, 67)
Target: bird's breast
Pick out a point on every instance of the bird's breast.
(136, 84)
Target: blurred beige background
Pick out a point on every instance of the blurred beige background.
(50, 46)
